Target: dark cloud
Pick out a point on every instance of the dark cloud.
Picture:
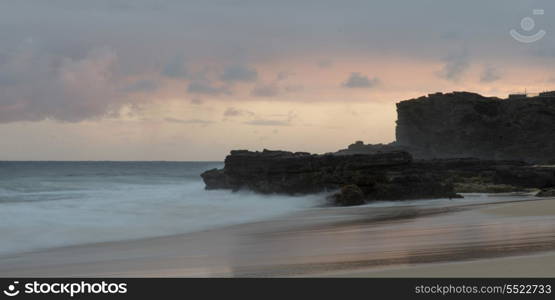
(208, 88)
(176, 68)
(239, 73)
(266, 90)
(455, 66)
(357, 80)
(490, 74)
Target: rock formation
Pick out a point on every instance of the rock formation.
(392, 175)
(461, 142)
(383, 176)
(462, 124)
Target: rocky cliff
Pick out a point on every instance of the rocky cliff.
(462, 124)
(446, 143)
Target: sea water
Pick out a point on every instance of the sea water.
(52, 204)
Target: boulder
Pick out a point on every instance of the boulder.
(349, 195)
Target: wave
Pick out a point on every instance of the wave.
(39, 219)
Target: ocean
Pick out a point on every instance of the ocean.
(53, 204)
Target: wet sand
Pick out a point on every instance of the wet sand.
(539, 265)
(531, 265)
(451, 239)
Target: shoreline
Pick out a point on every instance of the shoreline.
(319, 242)
(527, 264)
(354, 217)
(534, 264)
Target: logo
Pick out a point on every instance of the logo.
(11, 292)
(71, 288)
(528, 24)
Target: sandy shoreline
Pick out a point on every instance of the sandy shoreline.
(533, 265)
(363, 241)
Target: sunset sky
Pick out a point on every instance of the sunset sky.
(192, 80)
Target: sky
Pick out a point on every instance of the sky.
(192, 80)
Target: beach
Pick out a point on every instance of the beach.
(509, 237)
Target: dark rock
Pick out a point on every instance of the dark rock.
(296, 173)
(413, 185)
(462, 124)
(380, 176)
(348, 196)
(360, 148)
(215, 179)
(546, 193)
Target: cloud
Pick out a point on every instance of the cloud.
(293, 88)
(490, 74)
(454, 66)
(357, 80)
(208, 88)
(176, 68)
(68, 89)
(284, 75)
(283, 120)
(196, 101)
(171, 40)
(239, 73)
(233, 112)
(141, 86)
(189, 121)
(265, 90)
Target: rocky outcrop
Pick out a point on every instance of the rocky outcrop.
(461, 142)
(380, 176)
(392, 175)
(295, 173)
(462, 124)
